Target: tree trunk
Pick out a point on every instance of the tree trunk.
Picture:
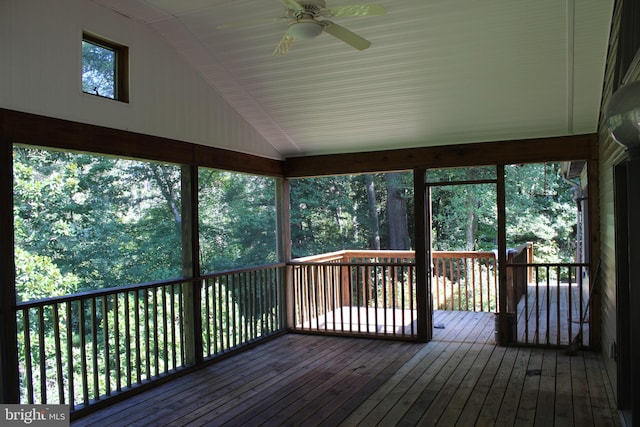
(397, 212)
(471, 227)
(374, 237)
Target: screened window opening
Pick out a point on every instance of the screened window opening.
(104, 68)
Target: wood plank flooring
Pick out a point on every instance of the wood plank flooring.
(459, 379)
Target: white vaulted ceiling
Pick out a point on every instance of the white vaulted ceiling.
(438, 71)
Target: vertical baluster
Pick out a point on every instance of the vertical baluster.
(436, 276)
(127, 338)
(366, 284)
(456, 301)
(220, 320)
(308, 290)
(26, 331)
(394, 300)
(229, 302)
(42, 356)
(526, 308)
(558, 305)
(402, 291)
(247, 307)
(447, 281)
(58, 352)
(172, 313)
(136, 318)
(264, 276)
(116, 339)
(165, 331)
(94, 348)
(570, 302)
(206, 294)
(235, 320)
(216, 305)
(105, 343)
(385, 301)
(359, 286)
(350, 297)
(248, 311)
(487, 306)
(262, 295)
(298, 298)
(83, 352)
(495, 281)
(156, 332)
(480, 283)
(581, 300)
(255, 292)
(231, 311)
(548, 303)
(302, 285)
(228, 305)
(147, 334)
(319, 293)
(70, 370)
(465, 266)
(473, 280)
(273, 284)
(181, 309)
(326, 292)
(376, 285)
(412, 297)
(341, 285)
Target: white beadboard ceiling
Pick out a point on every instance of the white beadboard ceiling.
(438, 71)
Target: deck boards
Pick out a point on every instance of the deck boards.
(460, 379)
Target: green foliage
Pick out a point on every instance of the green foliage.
(334, 213)
(237, 220)
(103, 221)
(38, 277)
(541, 209)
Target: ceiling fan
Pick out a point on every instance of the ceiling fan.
(308, 20)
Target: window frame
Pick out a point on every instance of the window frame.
(121, 67)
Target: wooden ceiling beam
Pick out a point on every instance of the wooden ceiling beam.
(559, 148)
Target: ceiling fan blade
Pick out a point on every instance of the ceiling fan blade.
(293, 4)
(284, 45)
(251, 22)
(357, 10)
(346, 36)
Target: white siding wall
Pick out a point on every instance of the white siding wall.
(40, 67)
(610, 153)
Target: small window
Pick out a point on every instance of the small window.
(104, 68)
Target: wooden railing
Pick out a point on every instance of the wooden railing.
(83, 348)
(554, 301)
(465, 280)
(518, 278)
(355, 292)
(374, 292)
(241, 306)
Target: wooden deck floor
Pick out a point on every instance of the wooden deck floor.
(461, 378)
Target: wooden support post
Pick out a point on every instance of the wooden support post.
(283, 249)
(191, 265)
(8, 339)
(503, 332)
(424, 303)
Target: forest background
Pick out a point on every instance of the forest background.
(88, 222)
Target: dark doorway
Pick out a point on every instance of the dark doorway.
(626, 184)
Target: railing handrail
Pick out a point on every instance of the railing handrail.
(137, 286)
(350, 253)
(463, 254)
(348, 264)
(548, 264)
